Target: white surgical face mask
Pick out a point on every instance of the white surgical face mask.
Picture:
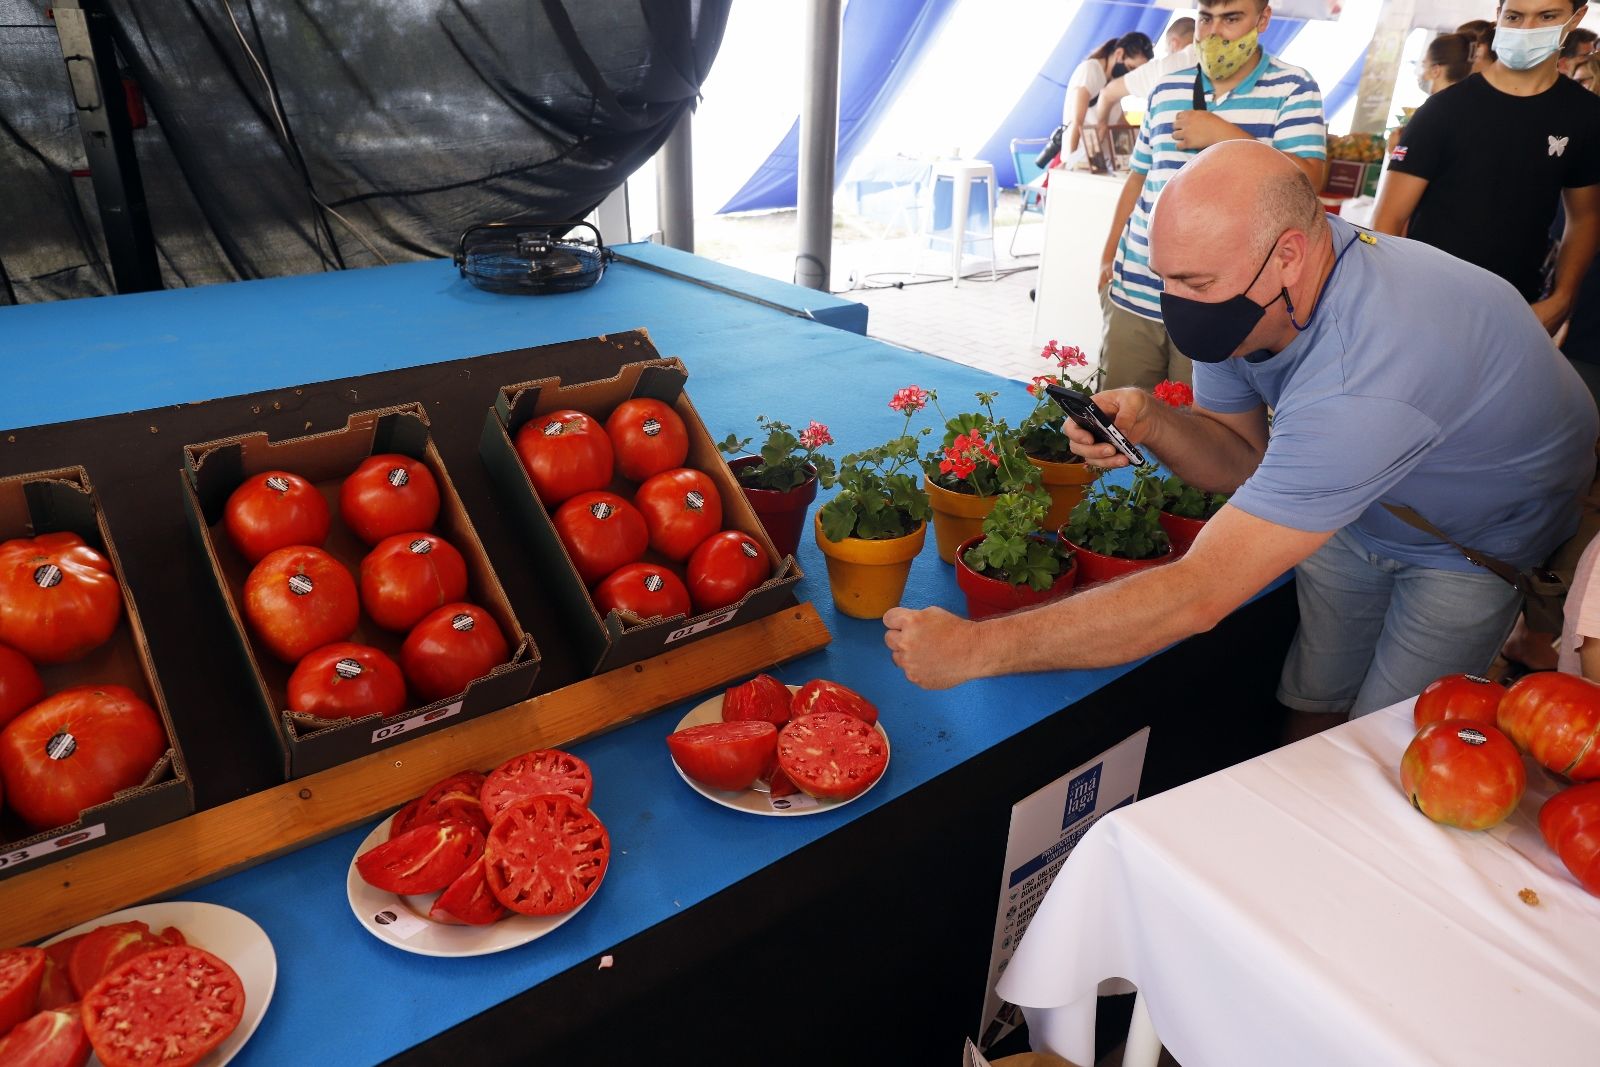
(1526, 49)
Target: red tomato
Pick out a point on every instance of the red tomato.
(404, 819)
(602, 532)
(58, 597)
(21, 971)
(532, 774)
(424, 859)
(1570, 823)
(407, 576)
(682, 508)
(455, 797)
(48, 1039)
(819, 694)
(762, 698)
(546, 855)
(274, 510)
(55, 990)
(105, 948)
(457, 644)
(779, 785)
(649, 437)
(565, 453)
(1463, 773)
(299, 599)
(646, 589)
(1556, 717)
(75, 749)
(724, 755)
(20, 687)
(831, 755)
(170, 1006)
(1458, 696)
(468, 900)
(724, 567)
(346, 681)
(389, 494)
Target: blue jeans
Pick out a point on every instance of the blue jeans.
(1374, 631)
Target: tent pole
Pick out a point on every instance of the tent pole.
(819, 142)
(675, 186)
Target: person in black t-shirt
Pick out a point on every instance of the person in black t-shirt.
(1482, 165)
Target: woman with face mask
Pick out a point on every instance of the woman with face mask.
(1447, 60)
(1111, 60)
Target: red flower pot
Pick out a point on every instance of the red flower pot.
(1181, 531)
(782, 512)
(1094, 568)
(990, 596)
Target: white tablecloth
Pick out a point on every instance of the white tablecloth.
(1295, 910)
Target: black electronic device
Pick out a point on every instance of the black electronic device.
(1081, 409)
(531, 257)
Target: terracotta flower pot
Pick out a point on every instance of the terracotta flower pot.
(867, 578)
(957, 517)
(1065, 482)
(990, 596)
(1094, 567)
(781, 511)
(1181, 531)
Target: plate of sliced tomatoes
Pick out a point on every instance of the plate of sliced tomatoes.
(768, 748)
(121, 966)
(481, 863)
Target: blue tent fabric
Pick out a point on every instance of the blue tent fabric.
(880, 45)
(1341, 94)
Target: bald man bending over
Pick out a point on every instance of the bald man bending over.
(1395, 373)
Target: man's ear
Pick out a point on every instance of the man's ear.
(1292, 254)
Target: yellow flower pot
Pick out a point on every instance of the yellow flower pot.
(1065, 482)
(867, 578)
(957, 517)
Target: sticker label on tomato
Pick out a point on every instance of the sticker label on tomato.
(421, 546)
(399, 477)
(651, 427)
(1480, 679)
(701, 626)
(301, 584)
(749, 549)
(694, 500)
(52, 846)
(47, 576)
(601, 510)
(1472, 737)
(278, 483)
(348, 668)
(653, 582)
(399, 922)
(61, 746)
(427, 718)
(463, 623)
(554, 428)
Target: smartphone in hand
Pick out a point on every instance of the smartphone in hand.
(1082, 409)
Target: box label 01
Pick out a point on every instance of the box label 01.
(385, 733)
(51, 847)
(703, 624)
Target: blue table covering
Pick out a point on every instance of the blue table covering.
(343, 997)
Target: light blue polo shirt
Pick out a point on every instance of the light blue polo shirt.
(1421, 380)
(1277, 104)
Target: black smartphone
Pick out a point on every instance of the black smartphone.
(1082, 409)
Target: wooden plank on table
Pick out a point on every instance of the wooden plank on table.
(224, 839)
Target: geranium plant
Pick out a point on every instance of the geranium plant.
(787, 458)
(1114, 520)
(1042, 436)
(980, 454)
(1178, 497)
(1012, 549)
(880, 491)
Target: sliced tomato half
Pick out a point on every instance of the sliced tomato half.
(724, 755)
(49, 1039)
(831, 755)
(779, 785)
(762, 697)
(468, 900)
(21, 971)
(819, 694)
(170, 1006)
(424, 859)
(546, 855)
(455, 797)
(55, 990)
(107, 947)
(532, 774)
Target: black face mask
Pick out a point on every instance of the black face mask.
(1209, 333)
(1118, 69)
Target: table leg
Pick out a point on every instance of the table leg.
(960, 198)
(1143, 1048)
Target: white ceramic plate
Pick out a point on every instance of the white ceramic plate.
(403, 921)
(223, 932)
(756, 799)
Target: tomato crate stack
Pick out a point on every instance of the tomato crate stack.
(325, 658)
(608, 632)
(88, 753)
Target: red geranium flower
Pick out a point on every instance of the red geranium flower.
(815, 435)
(1175, 393)
(909, 400)
(1036, 387)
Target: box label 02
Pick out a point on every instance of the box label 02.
(704, 624)
(385, 733)
(51, 847)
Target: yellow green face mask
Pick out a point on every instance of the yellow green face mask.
(1221, 58)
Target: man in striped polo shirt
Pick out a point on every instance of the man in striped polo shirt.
(1238, 92)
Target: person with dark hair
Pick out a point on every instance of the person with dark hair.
(1577, 48)
(1447, 60)
(1480, 169)
(1111, 60)
(1181, 54)
(1482, 33)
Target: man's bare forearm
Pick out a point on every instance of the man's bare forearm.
(1203, 452)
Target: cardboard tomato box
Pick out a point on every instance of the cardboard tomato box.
(611, 641)
(63, 501)
(212, 471)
